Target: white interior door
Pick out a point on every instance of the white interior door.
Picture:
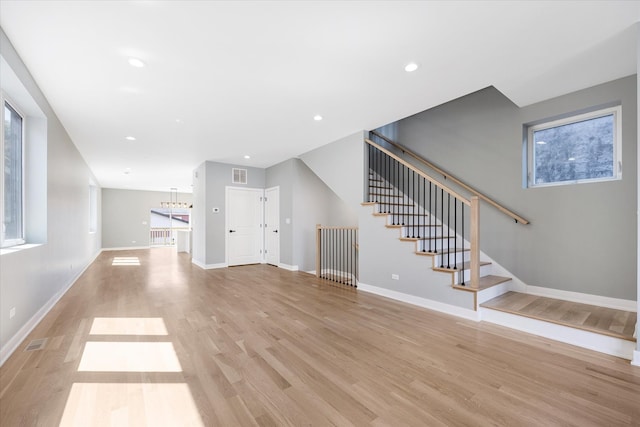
(244, 220)
(272, 225)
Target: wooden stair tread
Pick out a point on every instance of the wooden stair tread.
(560, 312)
(485, 283)
(425, 253)
(459, 267)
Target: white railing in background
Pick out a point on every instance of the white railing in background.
(164, 236)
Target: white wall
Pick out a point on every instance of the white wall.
(32, 279)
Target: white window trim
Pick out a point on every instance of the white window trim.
(12, 242)
(617, 145)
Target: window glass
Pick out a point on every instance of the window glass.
(12, 219)
(582, 148)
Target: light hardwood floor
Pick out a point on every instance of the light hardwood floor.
(166, 343)
(602, 320)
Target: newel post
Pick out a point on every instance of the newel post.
(318, 246)
(475, 242)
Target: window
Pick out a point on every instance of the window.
(12, 188)
(578, 149)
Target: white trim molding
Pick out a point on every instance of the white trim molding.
(608, 302)
(288, 267)
(14, 342)
(421, 302)
(126, 248)
(209, 266)
(592, 341)
(636, 358)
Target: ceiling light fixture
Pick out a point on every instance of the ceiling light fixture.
(130, 138)
(247, 156)
(174, 203)
(127, 171)
(317, 117)
(411, 67)
(135, 62)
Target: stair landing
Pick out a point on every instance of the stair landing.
(601, 320)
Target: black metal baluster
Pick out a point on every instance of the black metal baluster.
(448, 229)
(441, 227)
(435, 220)
(455, 231)
(463, 251)
(418, 207)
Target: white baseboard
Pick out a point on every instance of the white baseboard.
(126, 248)
(636, 358)
(615, 303)
(421, 302)
(311, 272)
(585, 339)
(14, 342)
(209, 266)
(288, 267)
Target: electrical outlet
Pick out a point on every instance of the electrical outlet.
(395, 277)
(12, 313)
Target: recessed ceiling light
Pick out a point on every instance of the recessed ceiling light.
(130, 138)
(410, 67)
(179, 121)
(135, 62)
(247, 156)
(127, 171)
(317, 117)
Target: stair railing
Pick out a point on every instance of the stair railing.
(517, 218)
(426, 210)
(337, 254)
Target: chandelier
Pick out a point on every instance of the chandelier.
(173, 201)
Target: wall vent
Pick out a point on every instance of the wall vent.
(238, 176)
(36, 344)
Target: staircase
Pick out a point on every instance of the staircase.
(439, 222)
(443, 226)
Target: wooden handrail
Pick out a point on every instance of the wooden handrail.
(419, 172)
(446, 175)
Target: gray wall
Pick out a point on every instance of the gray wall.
(306, 200)
(32, 279)
(126, 213)
(582, 238)
(340, 165)
(209, 192)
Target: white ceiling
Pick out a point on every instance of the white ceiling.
(247, 77)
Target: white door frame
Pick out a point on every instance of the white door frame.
(264, 229)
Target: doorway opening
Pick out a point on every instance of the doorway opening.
(165, 223)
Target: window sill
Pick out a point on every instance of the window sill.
(18, 248)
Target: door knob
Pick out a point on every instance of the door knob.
(275, 231)
(232, 231)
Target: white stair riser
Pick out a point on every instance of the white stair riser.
(458, 256)
(485, 270)
(439, 244)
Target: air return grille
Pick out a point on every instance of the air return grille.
(239, 176)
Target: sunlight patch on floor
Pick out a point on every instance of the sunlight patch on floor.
(125, 260)
(128, 326)
(130, 404)
(129, 357)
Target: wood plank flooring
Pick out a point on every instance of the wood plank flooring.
(602, 320)
(165, 343)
